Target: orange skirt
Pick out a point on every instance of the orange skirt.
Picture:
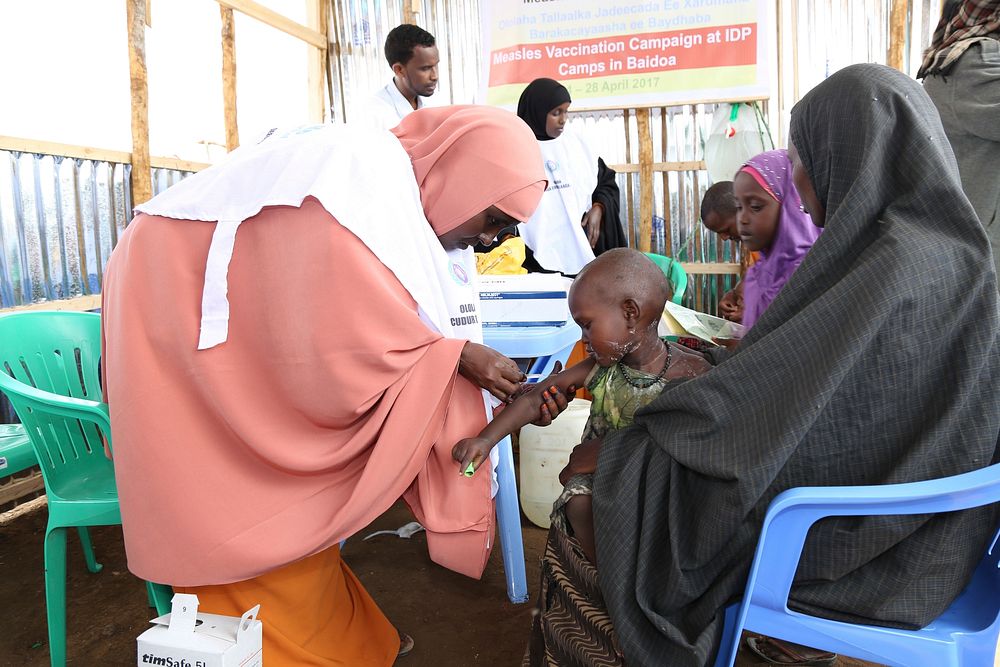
(315, 614)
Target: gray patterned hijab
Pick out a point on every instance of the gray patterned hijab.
(877, 363)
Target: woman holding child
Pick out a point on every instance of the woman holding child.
(851, 376)
(274, 390)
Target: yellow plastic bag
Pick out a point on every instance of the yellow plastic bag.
(505, 259)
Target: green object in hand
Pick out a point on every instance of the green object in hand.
(470, 471)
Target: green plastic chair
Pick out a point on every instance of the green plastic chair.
(16, 452)
(160, 597)
(49, 364)
(674, 272)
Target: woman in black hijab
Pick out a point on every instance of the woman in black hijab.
(878, 363)
(543, 106)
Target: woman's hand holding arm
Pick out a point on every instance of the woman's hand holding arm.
(540, 404)
(490, 370)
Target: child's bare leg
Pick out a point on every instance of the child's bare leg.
(580, 514)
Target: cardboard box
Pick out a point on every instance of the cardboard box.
(185, 638)
(529, 300)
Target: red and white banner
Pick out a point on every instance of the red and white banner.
(627, 54)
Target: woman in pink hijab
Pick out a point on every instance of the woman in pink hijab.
(272, 391)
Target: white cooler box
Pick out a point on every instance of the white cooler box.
(528, 300)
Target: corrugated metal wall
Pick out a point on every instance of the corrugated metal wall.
(359, 27)
(59, 219)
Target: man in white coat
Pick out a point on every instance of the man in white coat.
(413, 56)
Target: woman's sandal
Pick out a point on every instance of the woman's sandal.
(778, 652)
(405, 645)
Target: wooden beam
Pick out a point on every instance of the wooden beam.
(19, 487)
(19, 145)
(897, 34)
(276, 20)
(689, 165)
(80, 303)
(229, 78)
(142, 181)
(176, 164)
(21, 509)
(645, 179)
(710, 268)
(656, 105)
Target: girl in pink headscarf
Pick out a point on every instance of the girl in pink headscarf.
(290, 349)
(770, 220)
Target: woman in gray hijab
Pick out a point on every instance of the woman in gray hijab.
(878, 363)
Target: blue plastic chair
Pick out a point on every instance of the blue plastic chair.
(546, 346)
(965, 634)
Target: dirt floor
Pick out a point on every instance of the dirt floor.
(454, 620)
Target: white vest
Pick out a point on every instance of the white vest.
(554, 232)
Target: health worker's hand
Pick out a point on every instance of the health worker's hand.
(487, 368)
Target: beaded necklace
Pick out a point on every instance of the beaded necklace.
(640, 382)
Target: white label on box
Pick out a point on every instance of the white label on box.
(523, 309)
(185, 638)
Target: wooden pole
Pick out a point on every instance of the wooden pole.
(142, 179)
(668, 244)
(633, 229)
(316, 20)
(229, 77)
(897, 34)
(795, 52)
(781, 71)
(645, 180)
(410, 10)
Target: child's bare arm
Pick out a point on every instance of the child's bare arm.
(524, 410)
